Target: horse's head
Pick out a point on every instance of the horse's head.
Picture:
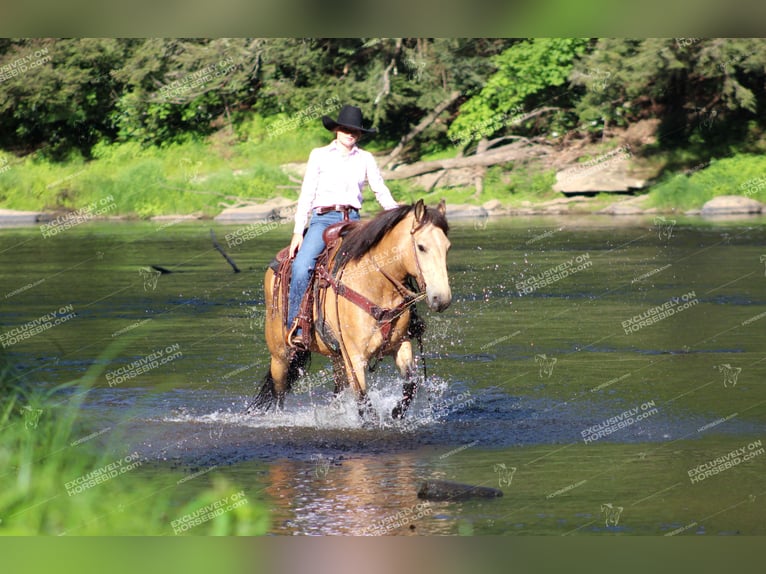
(428, 261)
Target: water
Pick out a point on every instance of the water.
(534, 388)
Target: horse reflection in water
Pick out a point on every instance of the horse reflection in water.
(348, 500)
(363, 306)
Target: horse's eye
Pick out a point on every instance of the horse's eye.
(422, 248)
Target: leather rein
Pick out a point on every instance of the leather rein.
(382, 315)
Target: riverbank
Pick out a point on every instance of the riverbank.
(281, 210)
(251, 174)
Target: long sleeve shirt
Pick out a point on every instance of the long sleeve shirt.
(332, 179)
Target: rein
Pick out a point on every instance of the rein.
(383, 316)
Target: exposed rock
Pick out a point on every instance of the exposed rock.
(447, 490)
(12, 217)
(641, 133)
(493, 205)
(462, 210)
(460, 177)
(274, 209)
(296, 168)
(731, 205)
(608, 172)
(186, 217)
(621, 209)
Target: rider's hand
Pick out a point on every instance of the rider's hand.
(295, 244)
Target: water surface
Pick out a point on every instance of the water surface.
(534, 385)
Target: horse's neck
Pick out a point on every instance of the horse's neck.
(366, 273)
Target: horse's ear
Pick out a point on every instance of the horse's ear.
(442, 207)
(420, 210)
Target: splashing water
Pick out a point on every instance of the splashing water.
(319, 408)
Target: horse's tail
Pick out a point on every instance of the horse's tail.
(267, 396)
(299, 364)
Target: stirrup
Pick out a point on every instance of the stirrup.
(295, 341)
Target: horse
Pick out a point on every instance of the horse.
(363, 306)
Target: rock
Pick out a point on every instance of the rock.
(12, 217)
(280, 202)
(493, 205)
(296, 169)
(693, 212)
(455, 177)
(462, 210)
(274, 209)
(621, 209)
(186, 217)
(447, 490)
(605, 173)
(731, 205)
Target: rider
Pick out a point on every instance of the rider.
(332, 192)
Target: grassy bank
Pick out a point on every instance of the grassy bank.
(46, 462)
(194, 176)
(739, 175)
(204, 176)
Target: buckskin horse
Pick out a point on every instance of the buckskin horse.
(362, 302)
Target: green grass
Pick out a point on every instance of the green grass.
(38, 457)
(727, 176)
(192, 177)
(203, 176)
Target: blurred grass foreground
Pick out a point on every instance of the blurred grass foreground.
(54, 480)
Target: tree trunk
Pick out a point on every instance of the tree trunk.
(422, 125)
(503, 154)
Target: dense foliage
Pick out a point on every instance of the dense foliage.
(69, 94)
(142, 107)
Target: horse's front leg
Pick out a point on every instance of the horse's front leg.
(339, 374)
(405, 362)
(355, 364)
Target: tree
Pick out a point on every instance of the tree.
(57, 94)
(530, 74)
(173, 87)
(692, 85)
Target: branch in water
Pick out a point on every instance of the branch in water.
(222, 252)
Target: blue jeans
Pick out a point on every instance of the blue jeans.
(305, 259)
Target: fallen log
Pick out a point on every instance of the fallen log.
(512, 152)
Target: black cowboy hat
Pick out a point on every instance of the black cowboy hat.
(348, 117)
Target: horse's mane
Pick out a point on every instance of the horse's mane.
(366, 235)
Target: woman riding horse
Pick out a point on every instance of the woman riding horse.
(362, 305)
(332, 192)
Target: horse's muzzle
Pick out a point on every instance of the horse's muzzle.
(438, 301)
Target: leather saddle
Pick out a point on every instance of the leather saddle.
(282, 267)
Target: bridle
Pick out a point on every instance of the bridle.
(383, 316)
(419, 278)
(410, 296)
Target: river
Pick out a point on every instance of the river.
(605, 373)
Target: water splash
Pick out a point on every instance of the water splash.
(321, 409)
